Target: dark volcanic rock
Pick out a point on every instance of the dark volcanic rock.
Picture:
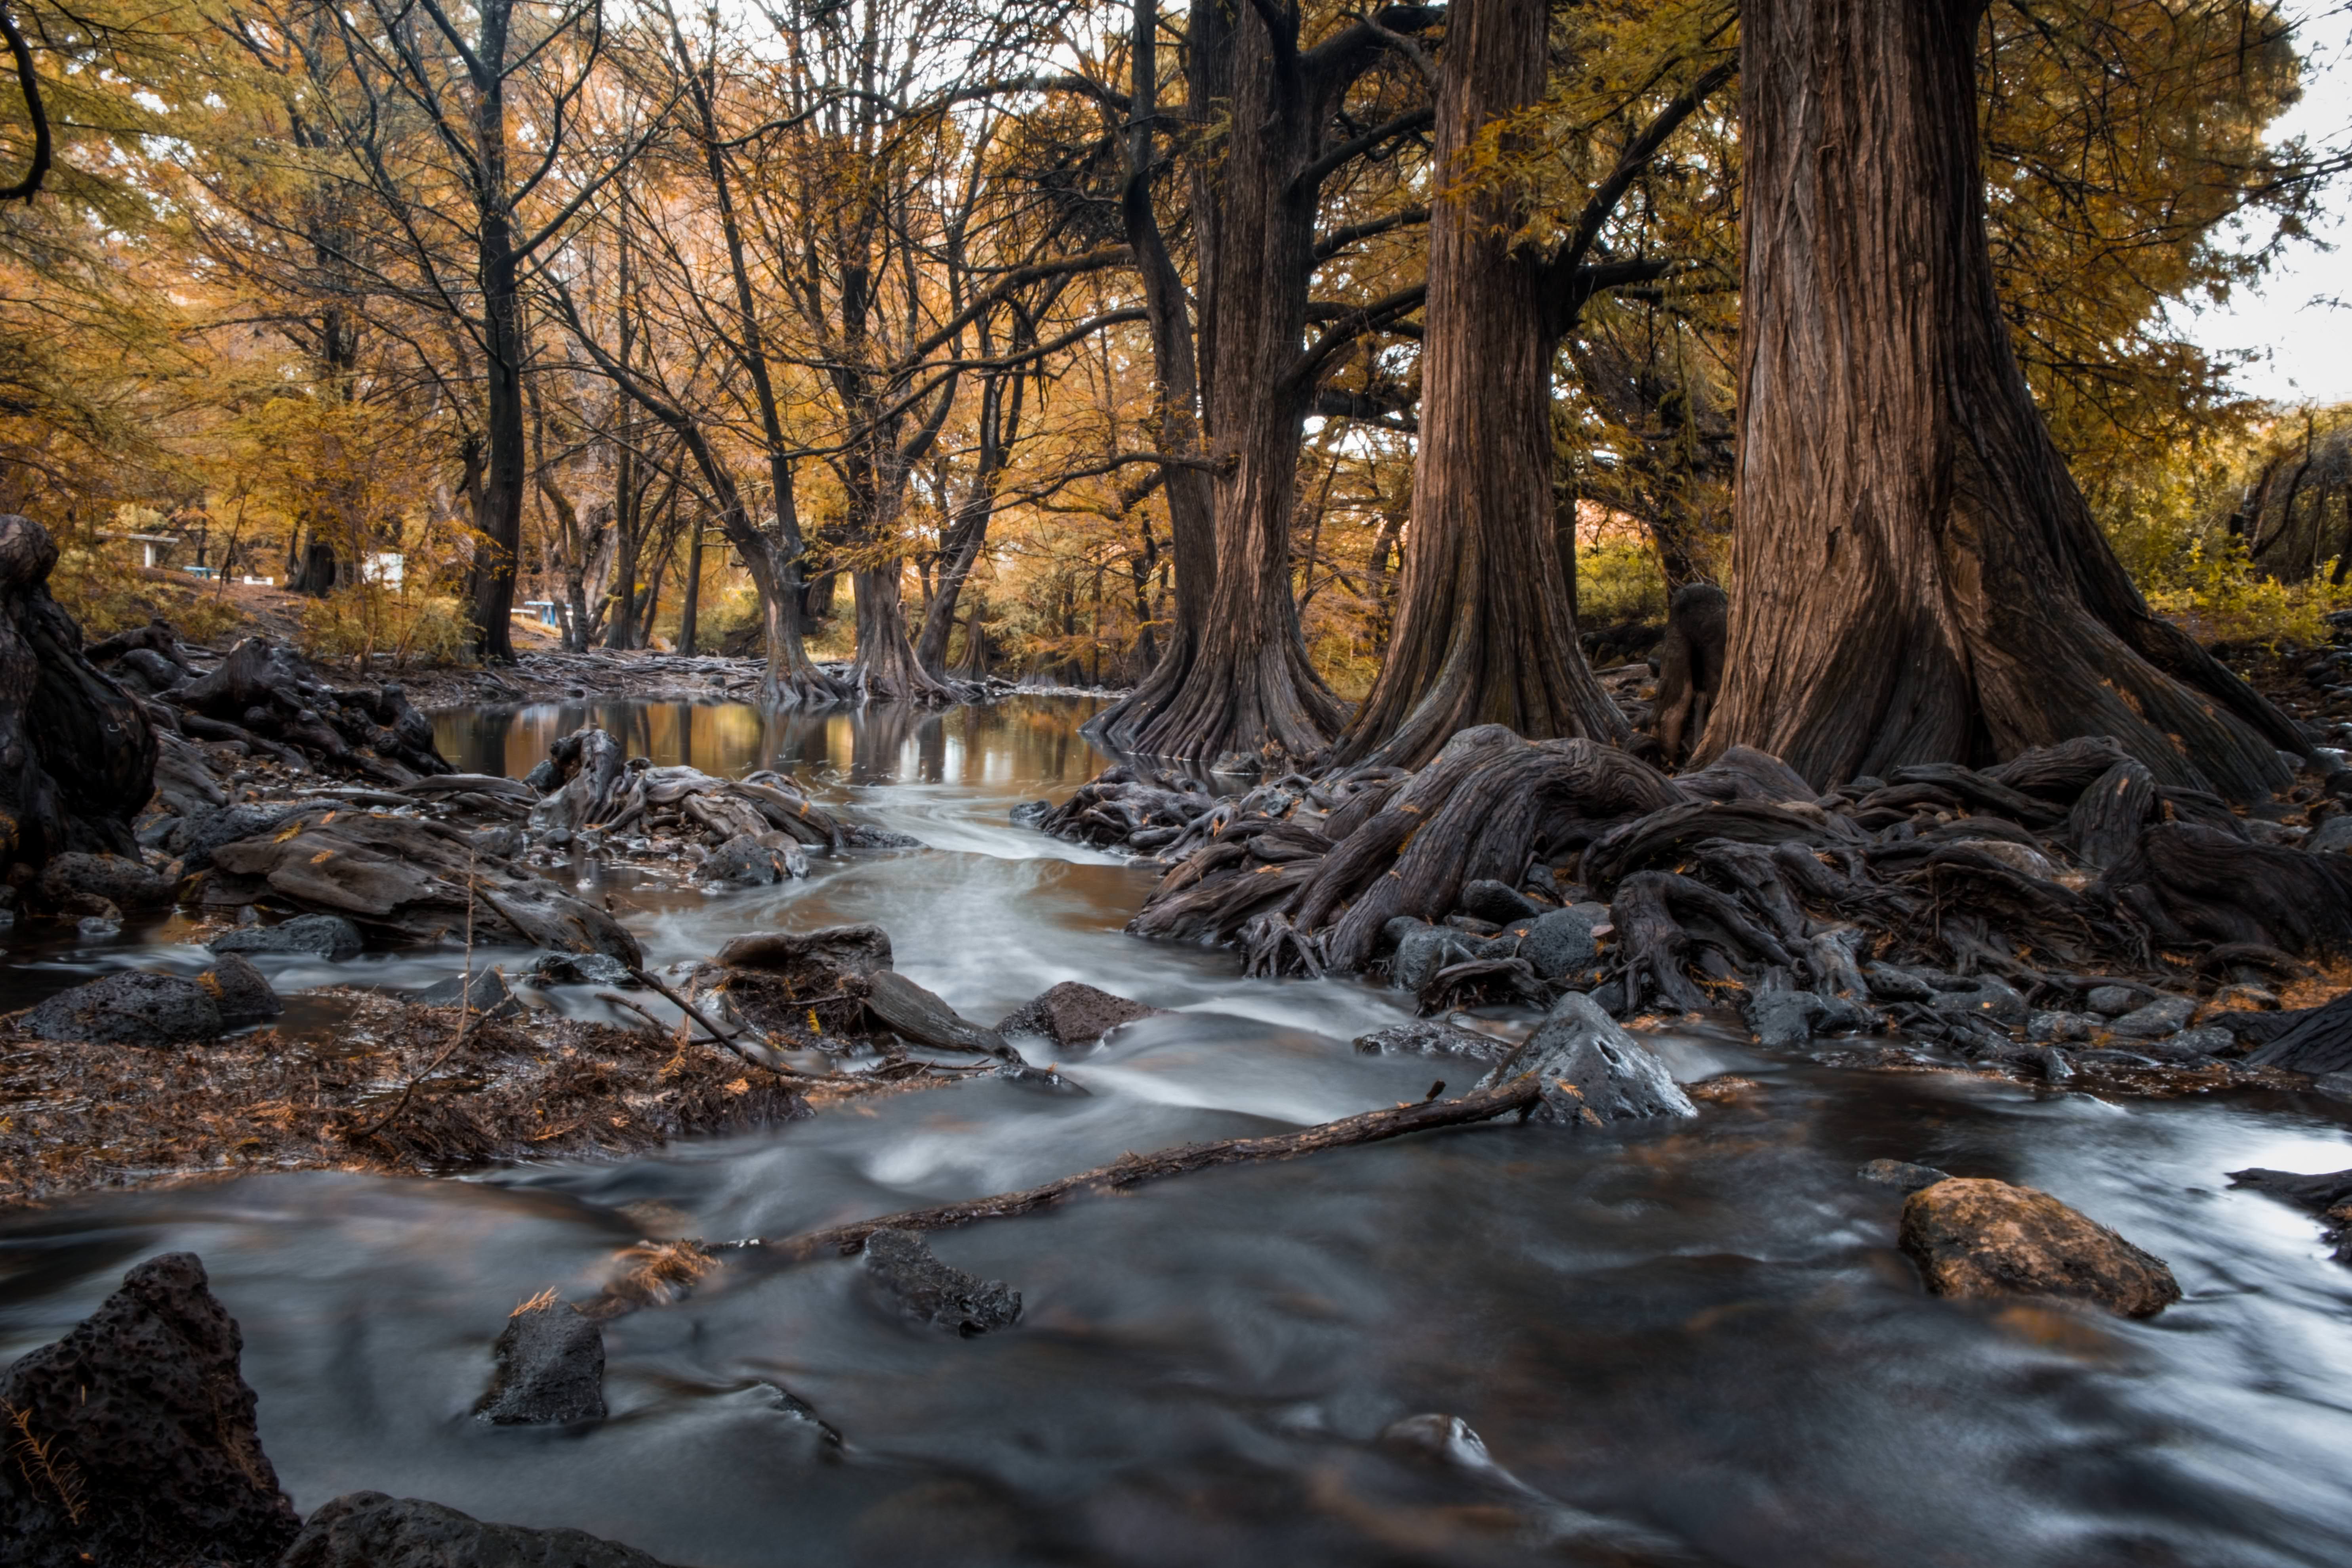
(488, 994)
(1985, 1239)
(1558, 942)
(321, 936)
(1592, 1072)
(1492, 901)
(1073, 1015)
(911, 1278)
(135, 1007)
(551, 1368)
(240, 993)
(1434, 1037)
(131, 1441)
(118, 880)
(369, 1530)
(1032, 813)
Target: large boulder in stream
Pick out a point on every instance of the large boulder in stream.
(132, 1441)
(413, 879)
(1976, 1237)
(369, 1530)
(141, 1007)
(1592, 1072)
(125, 883)
(1074, 1016)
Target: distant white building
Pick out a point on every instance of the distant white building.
(388, 567)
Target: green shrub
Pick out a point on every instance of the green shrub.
(1619, 582)
(362, 621)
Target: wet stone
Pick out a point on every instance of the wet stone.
(241, 993)
(135, 1007)
(2111, 1001)
(1424, 952)
(549, 1371)
(370, 1530)
(2052, 1025)
(144, 1420)
(1591, 1071)
(1032, 812)
(1434, 1037)
(907, 1275)
(487, 993)
(1558, 942)
(2196, 1044)
(1901, 1174)
(324, 936)
(1496, 901)
(578, 969)
(2164, 1016)
(124, 883)
(1977, 1238)
(1074, 1016)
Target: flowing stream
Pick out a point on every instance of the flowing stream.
(1703, 1330)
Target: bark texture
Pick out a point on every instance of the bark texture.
(77, 752)
(1919, 579)
(1485, 626)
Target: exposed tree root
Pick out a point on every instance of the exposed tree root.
(1956, 902)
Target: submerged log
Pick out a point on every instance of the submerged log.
(1520, 1094)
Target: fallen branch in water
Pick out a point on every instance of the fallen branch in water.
(630, 1292)
(1132, 1170)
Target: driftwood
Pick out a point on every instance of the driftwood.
(410, 879)
(1520, 1094)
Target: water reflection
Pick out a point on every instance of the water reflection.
(1032, 739)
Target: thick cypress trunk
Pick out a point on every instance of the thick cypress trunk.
(1919, 580)
(1485, 629)
(886, 669)
(1249, 697)
(1176, 391)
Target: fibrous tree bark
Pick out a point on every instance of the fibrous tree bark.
(1248, 694)
(77, 754)
(1176, 400)
(1919, 579)
(1485, 630)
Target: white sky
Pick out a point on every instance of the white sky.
(2300, 318)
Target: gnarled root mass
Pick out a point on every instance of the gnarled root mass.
(1964, 905)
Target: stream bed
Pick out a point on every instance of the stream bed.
(1703, 1330)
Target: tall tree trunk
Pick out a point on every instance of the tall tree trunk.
(1250, 699)
(1918, 578)
(499, 519)
(1485, 631)
(690, 604)
(628, 497)
(1176, 391)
